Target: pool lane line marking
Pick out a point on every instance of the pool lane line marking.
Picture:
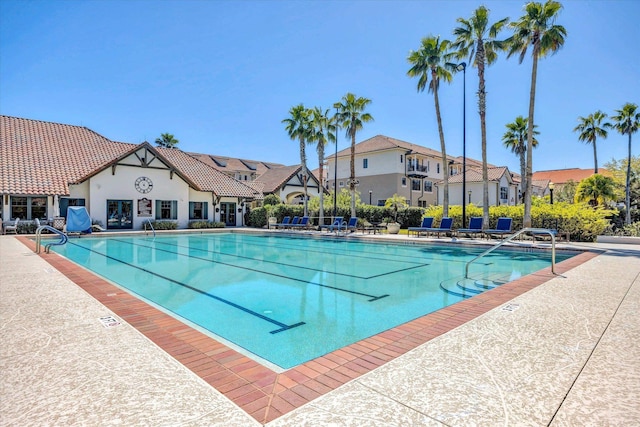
(322, 285)
(267, 262)
(283, 326)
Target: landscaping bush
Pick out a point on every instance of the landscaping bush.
(163, 225)
(206, 224)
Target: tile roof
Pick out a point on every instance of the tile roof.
(44, 157)
(231, 165)
(562, 176)
(274, 179)
(475, 175)
(381, 143)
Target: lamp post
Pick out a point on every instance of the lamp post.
(370, 192)
(463, 67)
(335, 172)
(551, 185)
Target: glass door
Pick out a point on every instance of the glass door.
(119, 214)
(228, 214)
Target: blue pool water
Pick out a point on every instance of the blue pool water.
(290, 299)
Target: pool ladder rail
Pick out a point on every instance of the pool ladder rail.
(513, 236)
(63, 238)
(144, 224)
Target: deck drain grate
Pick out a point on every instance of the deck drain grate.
(109, 321)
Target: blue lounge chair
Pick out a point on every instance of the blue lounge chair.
(294, 221)
(284, 223)
(475, 227)
(445, 227)
(503, 227)
(427, 222)
(336, 225)
(302, 224)
(352, 224)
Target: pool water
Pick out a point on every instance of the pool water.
(289, 299)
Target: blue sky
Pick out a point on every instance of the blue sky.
(222, 75)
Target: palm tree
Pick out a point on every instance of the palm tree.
(166, 140)
(515, 138)
(298, 127)
(430, 64)
(596, 190)
(322, 131)
(351, 117)
(627, 121)
(590, 128)
(536, 28)
(476, 40)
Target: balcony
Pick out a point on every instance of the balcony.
(417, 171)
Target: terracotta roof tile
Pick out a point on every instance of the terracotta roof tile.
(562, 176)
(274, 179)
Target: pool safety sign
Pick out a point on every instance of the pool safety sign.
(511, 307)
(109, 321)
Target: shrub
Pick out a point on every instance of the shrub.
(164, 225)
(206, 224)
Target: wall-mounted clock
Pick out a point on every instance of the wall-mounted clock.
(144, 184)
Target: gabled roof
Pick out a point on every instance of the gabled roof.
(275, 179)
(382, 143)
(231, 165)
(562, 176)
(475, 175)
(42, 157)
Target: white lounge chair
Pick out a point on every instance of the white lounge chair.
(13, 227)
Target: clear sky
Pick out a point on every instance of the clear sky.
(222, 75)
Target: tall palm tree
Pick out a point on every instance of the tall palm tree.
(351, 117)
(590, 128)
(536, 28)
(596, 190)
(627, 121)
(166, 140)
(298, 127)
(430, 63)
(515, 138)
(322, 131)
(476, 39)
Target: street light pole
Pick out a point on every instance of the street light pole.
(463, 65)
(551, 185)
(370, 192)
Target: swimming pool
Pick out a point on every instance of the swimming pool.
(289, 299)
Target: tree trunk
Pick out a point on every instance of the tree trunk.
(595, 157)
(352, 180)
(482, 109)
(523, 167)
(321, 170)
(304, 171)
(627, 198)
(532, 98)
(445, 164)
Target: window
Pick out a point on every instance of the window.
(166, 209)
(198, 210)
(24, 207)
(437, 167)
(400, 158)
(365, 163)
(415, 184)
(66, 202)
(504, 193)
(404, 181)
(341, 183)
(428, 187)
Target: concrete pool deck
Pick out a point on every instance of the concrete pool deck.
(565, 352)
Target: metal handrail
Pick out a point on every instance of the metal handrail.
(63, 237)
(144, 223)
(508, 239)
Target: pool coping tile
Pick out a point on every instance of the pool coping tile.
(258, 390)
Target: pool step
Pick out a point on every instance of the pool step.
(467, 288)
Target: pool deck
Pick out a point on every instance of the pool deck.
(558, 350)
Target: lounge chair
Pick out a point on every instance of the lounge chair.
(352, 224)
(475, 227)
(503, 227)
(427, 222)
(445, 227)
(293, 222)
(13, 228)
(284, 223)
(303, 224)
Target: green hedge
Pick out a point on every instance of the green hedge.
(206, 224)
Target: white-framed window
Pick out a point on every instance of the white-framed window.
(415, 184)
(29, 207)
(428, 186)
(341, 183)
(437, 167)
(198, 210)
(404, 181)
(166, 209)
(365, 163)
(401, 158)
(504, 193)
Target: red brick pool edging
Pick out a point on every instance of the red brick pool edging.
(258, 390)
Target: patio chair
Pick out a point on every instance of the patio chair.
(445, 227)
(503, 227)
(284, 223)
(475, 227)
(335, 225)
(13, 228)
(302, 224)
(427, 222)
(352, 224)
